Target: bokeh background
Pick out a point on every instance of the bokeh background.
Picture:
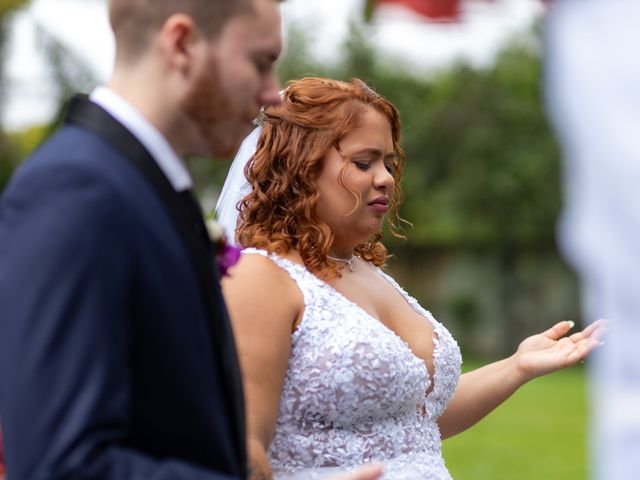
(482, 179)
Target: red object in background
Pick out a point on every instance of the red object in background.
(434, 10)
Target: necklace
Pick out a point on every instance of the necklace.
(349, 262)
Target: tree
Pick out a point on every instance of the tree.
(8, 160)
(69, 74)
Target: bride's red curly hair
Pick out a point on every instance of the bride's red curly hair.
(279, 215)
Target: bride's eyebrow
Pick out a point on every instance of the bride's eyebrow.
(375, 152)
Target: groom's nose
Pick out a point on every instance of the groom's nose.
(270, 93)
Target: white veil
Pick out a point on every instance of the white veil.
(235, 186)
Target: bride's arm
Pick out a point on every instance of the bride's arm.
(263, 304)
(482, 390)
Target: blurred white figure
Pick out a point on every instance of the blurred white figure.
(593, 86)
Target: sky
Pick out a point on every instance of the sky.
(81, 25)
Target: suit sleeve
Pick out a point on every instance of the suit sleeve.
(65, 290)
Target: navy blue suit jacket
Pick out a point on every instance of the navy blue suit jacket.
(117, 359)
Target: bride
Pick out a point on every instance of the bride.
(341, 366)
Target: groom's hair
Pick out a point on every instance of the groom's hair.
(134, 22)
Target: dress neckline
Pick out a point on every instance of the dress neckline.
(434, 336)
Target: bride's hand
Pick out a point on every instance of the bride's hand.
(552, 350)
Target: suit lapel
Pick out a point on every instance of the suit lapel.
(82, 112)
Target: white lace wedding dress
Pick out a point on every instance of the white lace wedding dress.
(355, 393)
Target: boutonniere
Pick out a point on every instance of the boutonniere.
(226, 254)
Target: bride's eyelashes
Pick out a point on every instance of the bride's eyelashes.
(361, 165)
(365, 165)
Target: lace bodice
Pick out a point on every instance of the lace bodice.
(354, 392)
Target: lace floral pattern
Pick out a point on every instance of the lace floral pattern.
(355, 393)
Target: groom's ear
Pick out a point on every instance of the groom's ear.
(178, 41)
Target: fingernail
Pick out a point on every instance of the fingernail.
(571, 323)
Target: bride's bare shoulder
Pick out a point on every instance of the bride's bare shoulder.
(260, 278)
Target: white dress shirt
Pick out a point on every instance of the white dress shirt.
(166, 158)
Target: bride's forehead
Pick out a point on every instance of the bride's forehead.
(372, 132)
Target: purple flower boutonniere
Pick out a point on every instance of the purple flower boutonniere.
(226, 254)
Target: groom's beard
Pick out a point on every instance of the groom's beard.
(210, 109)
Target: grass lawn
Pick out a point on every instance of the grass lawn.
(539, 433)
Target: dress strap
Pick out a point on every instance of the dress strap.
(298, 273)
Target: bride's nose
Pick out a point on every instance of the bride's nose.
(383, 178)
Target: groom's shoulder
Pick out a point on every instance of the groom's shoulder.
(72, 156)
(71, 146)
(71, 173)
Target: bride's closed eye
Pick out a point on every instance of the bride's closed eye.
(362, 165)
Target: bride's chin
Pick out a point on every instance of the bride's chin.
(366, 234)
(374, 228)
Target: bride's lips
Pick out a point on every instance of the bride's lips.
(380, 204)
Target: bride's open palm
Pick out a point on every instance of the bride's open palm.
(552, 350)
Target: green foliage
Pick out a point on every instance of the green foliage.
(369, 7)
(7, 164)
(482, 165)
(70, 74)
(10, 6)
(495, 163)
(15, 147)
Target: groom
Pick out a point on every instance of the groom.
(117, 360)
(116, 356)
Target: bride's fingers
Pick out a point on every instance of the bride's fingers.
(580, 351)
(601, 324)
(559, 330)
(575, 352)
(600, 333)
(598, 328)
(595, 330)
(576, 337)
(591, 343)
